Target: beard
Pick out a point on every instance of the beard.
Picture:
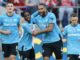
(28, 20)
(43, 14)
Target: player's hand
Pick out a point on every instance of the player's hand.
(64, 40)
(16, 1)
(7, 32)
(0, 31)
(35, 33)
(62, 30)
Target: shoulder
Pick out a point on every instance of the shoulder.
(37, 17)
(2, 16)
(78, 24)
(34, 14)
(51, 14)
(68, 26)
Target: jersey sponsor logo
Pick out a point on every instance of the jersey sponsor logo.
(5, 24)
(74, 34)
(11, 22)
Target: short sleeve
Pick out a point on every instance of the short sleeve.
(65, 32)
(33, 20)
(1, 21)
(19, 18)
(52, 18)
(34, 14)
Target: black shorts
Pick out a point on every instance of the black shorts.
(30, 54)
(73, 57)
(9, 49)
(55, 47)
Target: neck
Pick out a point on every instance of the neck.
(44, 14)
(74, 25)
(10, 14)
(27, 21)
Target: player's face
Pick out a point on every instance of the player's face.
(27, 16)
(10, 7)
(41, 9)
(74, 20)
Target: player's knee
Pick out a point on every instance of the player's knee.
(12, 57)
(46, 58)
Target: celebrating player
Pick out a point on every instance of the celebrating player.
(72, 35)
(9, 23)
(49, 29)
(25, 45)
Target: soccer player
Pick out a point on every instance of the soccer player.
(26, 41)
(72, 35)
(51, 40)
(9, 23)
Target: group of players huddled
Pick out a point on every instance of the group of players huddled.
(52, 37)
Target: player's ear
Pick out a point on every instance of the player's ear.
(22, 14)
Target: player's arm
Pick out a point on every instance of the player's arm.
(34, 14)
(19, 26)
(48, 29)
(3, 31)
(64, 33)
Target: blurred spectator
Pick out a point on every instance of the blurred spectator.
(74, 2)
(19, 5)
(79, 10)
(66, 7)
(32, 5)
(78, 2)
(50, 4)
(2, 8)
(3, 2)
(34, 2)
(18, 2)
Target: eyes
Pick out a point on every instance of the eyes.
(40, 8)
(27, 15)
(10, 5)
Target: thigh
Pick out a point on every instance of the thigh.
(57, 49)
(73, 57)
(5, 49)
(31, 54)
(13, 49)
(47, 51)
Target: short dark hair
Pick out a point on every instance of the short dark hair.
(74, 15)
(9, 3)
(23, 13)
(43, 5)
